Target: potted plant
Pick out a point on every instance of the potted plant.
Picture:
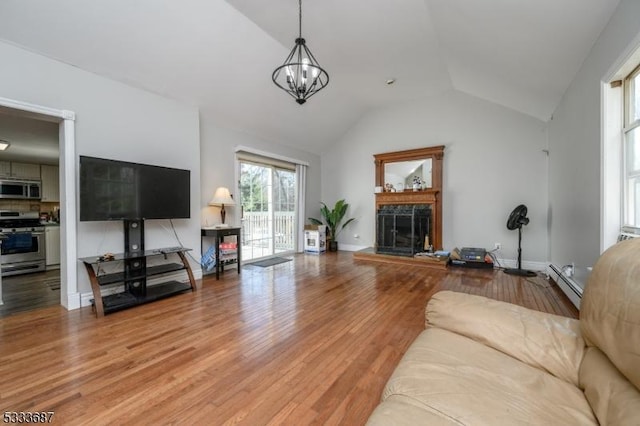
(332, 219)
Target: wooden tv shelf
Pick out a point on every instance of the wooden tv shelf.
(133, 278)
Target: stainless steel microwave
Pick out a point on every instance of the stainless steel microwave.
(20, 189)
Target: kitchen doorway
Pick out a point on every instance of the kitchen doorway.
(63, 281)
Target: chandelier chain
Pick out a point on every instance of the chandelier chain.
(300, 18)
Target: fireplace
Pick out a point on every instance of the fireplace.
(394, 171)
(402, 228)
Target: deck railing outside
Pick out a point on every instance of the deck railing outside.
(259, 235)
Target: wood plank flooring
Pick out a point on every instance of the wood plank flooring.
(21, 293)
(311, 341)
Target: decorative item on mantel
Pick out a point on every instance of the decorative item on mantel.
(417, 183)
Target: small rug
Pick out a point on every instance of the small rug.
(53, 284)
(270, 262)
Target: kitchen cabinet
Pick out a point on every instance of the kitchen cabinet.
(52, 246)
(50, 183)
(25, 171)
(15, 170)
(5, 169)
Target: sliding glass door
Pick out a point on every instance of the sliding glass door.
(268, 200)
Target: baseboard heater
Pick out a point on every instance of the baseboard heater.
(573, 286)
(569, 281)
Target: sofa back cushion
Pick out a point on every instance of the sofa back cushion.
(610, 308)
(548, 342)
(613, 399)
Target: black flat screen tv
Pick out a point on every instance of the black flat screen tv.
(119, 190)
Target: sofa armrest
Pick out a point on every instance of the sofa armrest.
(545, 341)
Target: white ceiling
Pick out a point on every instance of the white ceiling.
(219, 55)
(33, 138)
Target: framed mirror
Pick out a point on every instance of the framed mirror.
(402, 167)
(405, 175)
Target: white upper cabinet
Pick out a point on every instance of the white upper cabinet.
(19, 170)
(50, 183)
(5, 169)
(25, 171)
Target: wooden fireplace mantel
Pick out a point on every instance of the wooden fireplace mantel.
(430, 197)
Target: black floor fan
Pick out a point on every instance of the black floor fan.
(517, 219)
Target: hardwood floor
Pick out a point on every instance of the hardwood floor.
(311, 341)
(21, 293)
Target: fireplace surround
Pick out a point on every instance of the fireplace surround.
(431, 197)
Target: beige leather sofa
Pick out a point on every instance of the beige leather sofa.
(485, 362)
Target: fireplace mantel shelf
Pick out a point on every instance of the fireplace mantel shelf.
(428, 196)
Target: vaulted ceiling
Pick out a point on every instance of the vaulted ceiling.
(219, 55)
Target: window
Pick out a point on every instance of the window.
(631, 197)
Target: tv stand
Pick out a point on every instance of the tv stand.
(128, 284)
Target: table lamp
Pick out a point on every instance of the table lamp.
(221, 198)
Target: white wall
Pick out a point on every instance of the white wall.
(575, 142)
(217, 163)
(493, 161)
(116, 121)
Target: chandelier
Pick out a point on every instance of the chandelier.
(300, 76)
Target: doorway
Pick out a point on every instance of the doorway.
(268, 200)
(69, 296)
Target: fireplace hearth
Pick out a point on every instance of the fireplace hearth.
(401, 228)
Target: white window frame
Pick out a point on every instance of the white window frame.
(629, 213)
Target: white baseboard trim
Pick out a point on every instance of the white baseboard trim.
(529, 265)
(74, 301)
(85, 298)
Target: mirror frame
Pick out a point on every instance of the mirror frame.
(435, 153)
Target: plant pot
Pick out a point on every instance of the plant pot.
(333, 245)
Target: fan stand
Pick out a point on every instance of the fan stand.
(519, 271)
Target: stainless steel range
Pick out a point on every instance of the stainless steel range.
(23, 250)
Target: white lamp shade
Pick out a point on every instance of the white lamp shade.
(221, 197)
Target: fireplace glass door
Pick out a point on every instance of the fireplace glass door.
(401, 229)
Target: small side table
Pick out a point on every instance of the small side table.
(218, 235)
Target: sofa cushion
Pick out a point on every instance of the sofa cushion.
(610, 308)
(542, 340)
(614, 400)
(463, 381)
(400, 410)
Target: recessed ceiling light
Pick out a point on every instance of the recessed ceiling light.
(390, 81)
(4, 145)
